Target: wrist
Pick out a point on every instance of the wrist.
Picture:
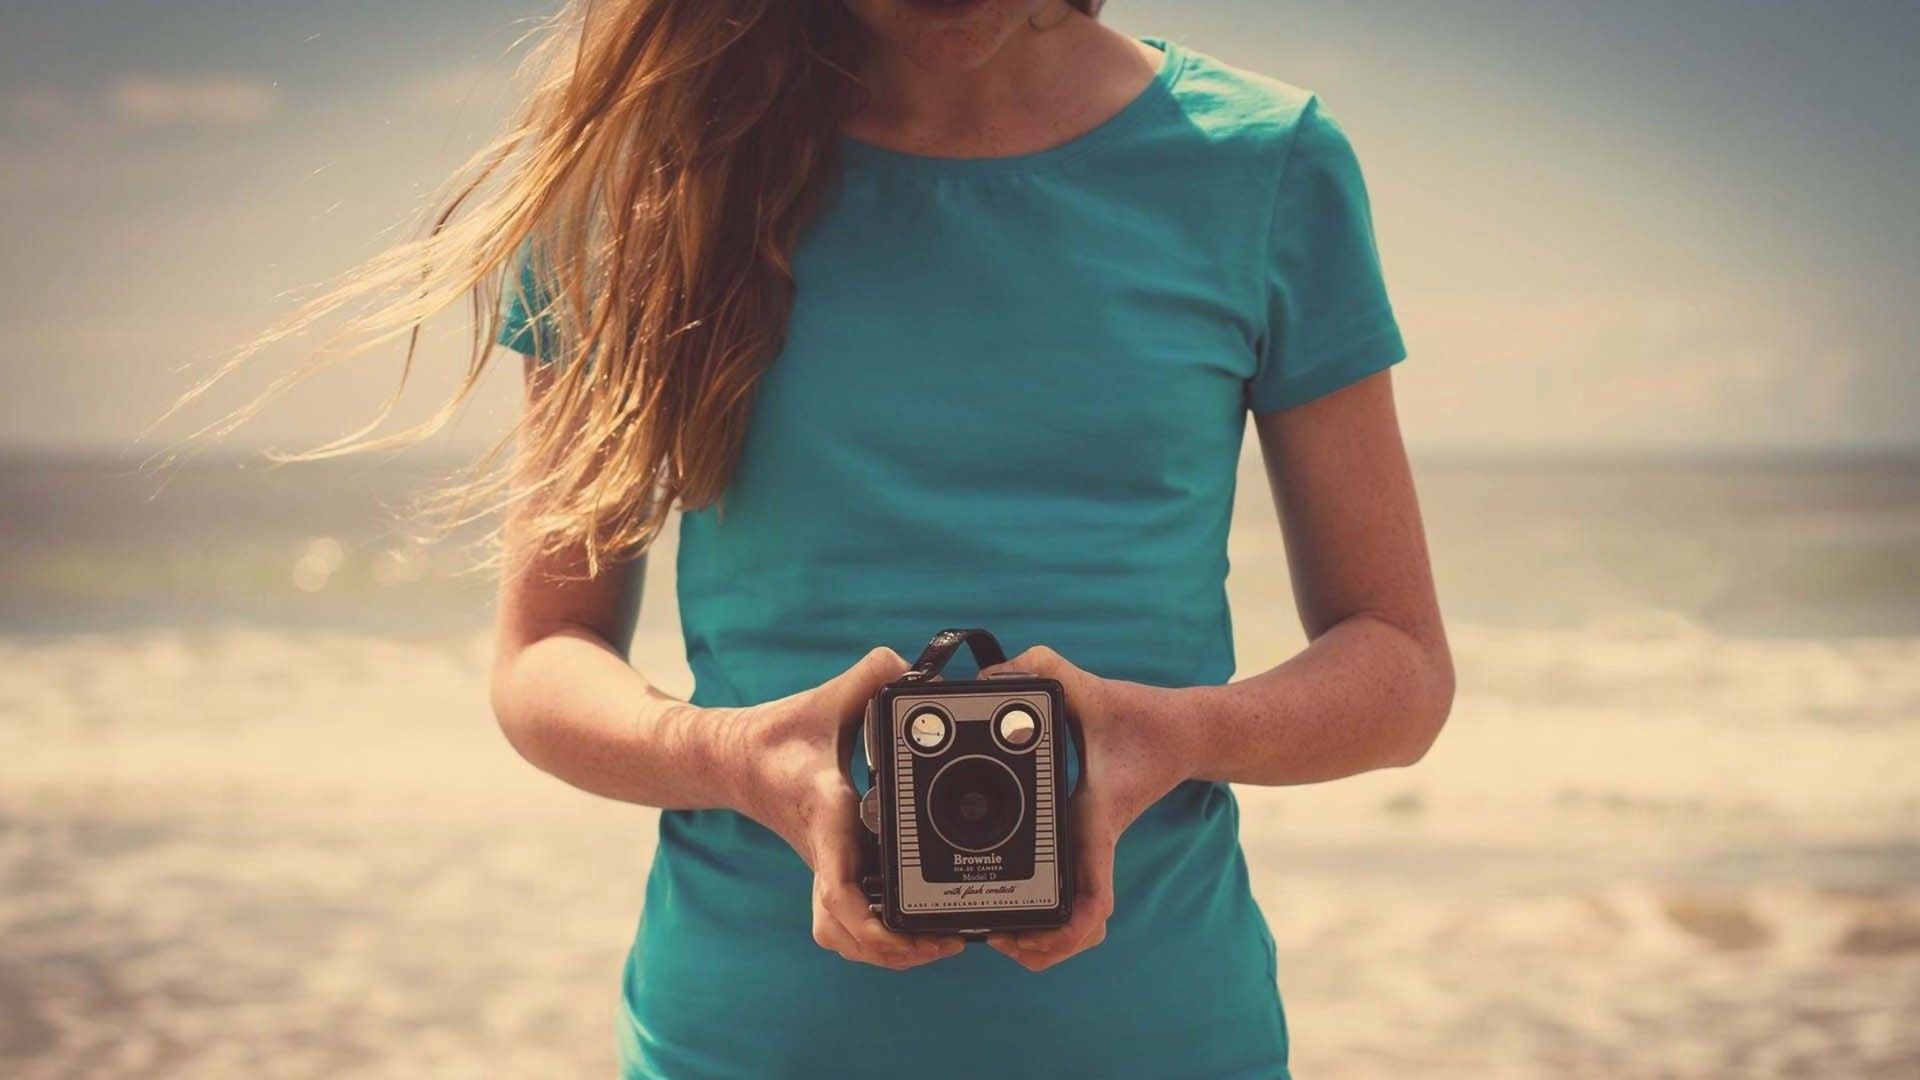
(729, 736)
(1165, 719)
(1187, 714)
(762, 754)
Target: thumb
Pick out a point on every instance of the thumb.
(1040, 660)
(880, 666)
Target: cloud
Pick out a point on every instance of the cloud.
(207, 99)
(454, 89)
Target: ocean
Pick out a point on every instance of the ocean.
(256, 818)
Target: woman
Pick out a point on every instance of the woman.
(937, 313)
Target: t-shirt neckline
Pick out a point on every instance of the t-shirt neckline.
(860, 153)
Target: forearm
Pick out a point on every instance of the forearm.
(575, 708)
(1366, 694)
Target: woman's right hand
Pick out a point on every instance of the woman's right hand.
(792, 781)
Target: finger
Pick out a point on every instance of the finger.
(836, 883)
(1003, 943)
(877, 668)
(1092, 907)
(831, 929)
(943, 945)
(831, 936)
(1039, 950)
(837, 891)
(847, 903)
(1040, 659)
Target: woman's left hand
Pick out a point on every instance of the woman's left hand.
(1136, 752)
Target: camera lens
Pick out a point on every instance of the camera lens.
(975, 803)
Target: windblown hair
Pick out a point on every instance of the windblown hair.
(642, 207)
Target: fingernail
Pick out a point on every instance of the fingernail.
(1030, 946)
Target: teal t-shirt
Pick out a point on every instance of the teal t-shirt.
(1012, 394)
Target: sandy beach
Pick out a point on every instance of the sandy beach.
(1647, 846)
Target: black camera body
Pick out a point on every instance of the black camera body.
(968, 804)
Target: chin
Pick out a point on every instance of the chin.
(950, 35)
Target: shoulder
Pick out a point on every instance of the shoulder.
(1256, 118)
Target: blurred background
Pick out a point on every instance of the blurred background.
(1657, 265)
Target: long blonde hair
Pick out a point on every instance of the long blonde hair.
(642, 206)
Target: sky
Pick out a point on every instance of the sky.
(1646, 227)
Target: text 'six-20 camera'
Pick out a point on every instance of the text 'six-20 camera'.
(968, 804)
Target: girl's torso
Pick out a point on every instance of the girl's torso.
(1012, 394)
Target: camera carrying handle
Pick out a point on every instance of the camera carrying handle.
(986, 652)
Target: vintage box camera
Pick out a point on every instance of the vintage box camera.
(968, 803)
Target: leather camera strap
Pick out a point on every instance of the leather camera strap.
(986, 652)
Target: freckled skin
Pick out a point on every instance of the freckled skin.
(985, 83)
(937, 42)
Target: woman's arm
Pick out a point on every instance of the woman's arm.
(569, 702)
(1375, 683)
(1371, 689)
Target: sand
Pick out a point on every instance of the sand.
(1639, 850)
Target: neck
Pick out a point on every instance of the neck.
(1029, 76)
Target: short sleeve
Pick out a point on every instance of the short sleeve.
(1328, 319)
(521, 298)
